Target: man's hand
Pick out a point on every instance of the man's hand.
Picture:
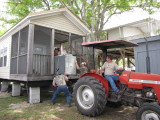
(54, 84)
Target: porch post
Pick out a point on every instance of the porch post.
(92, 61)
(52, 51)
(30, 49)
(70, 44)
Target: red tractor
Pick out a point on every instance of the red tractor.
(92, 92)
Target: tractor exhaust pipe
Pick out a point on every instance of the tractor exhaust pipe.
(147, 57)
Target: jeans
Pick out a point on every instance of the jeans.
(62, 89)
(111, 79)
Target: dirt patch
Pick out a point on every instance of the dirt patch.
(4, 94)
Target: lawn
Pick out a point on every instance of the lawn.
(17, 108)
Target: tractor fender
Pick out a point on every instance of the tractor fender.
(100, 78)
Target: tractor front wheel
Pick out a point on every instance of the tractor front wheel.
(148, 111)
(89, 96)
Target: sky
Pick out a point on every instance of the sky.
(116, 20)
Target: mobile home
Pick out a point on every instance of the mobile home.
(27, 49)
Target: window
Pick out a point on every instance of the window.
(3, 57)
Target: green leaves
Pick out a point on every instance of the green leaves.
(95, 13)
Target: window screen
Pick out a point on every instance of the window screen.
(23, 44)
(15, 44)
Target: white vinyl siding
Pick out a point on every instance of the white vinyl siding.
(113, 34)
(5, 70)
(59, 22)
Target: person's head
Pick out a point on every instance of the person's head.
(57, 49)
(83, 64)
(109, 58)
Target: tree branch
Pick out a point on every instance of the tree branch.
(47, 4)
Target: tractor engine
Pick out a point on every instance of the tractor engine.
(136, 97)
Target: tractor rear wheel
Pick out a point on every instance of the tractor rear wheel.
(148, 111)
(89, 96)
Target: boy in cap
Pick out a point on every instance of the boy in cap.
(83, 69)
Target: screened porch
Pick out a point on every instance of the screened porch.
(32, 53)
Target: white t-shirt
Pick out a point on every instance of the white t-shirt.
(109, 68)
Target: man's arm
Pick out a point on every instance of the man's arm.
(77, 66)
(66, 78)
(102, 69)
(54, 82)
(117, 67)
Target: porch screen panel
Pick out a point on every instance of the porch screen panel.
(23, 43)
(19, 51)
(42, 51)
(22, 64)
(76, 44)
(14, 66)
(23, 48)
(77, 48)
(14, 53)
(1, 61)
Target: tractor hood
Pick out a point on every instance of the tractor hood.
(142, 78)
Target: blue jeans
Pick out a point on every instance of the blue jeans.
(62, 89)
(111, 79)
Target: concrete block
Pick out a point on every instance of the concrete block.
(4, 86)
(34, 95)
(16, 89)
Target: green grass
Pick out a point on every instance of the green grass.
(41, 111)
(47, 111)
(4, 105)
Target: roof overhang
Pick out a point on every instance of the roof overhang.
(36, 15)
(109, 44)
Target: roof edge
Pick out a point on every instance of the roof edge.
(131, 23)
(32, 15)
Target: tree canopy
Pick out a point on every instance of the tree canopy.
(94, 13)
